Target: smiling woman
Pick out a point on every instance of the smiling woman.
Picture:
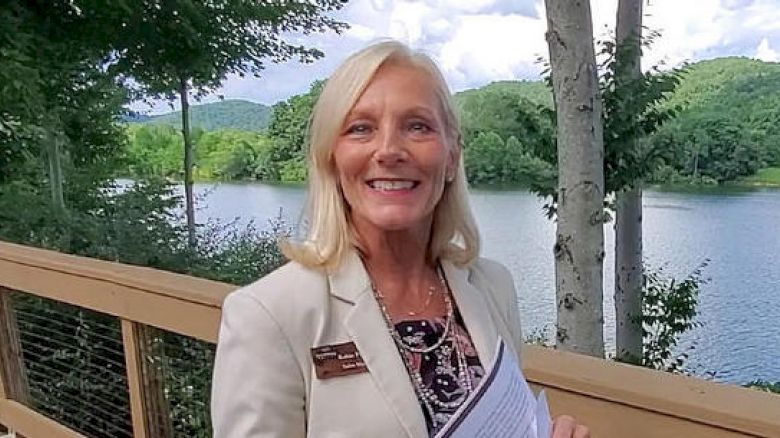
(385, 321)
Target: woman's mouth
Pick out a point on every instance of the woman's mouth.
(394, 185)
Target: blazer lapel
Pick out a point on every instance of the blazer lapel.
(368, 330)
(475, 311)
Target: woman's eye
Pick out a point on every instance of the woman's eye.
(359, 128)
(420, 127)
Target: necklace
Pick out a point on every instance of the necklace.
(425, 305)
(394, 333)
(427, 396)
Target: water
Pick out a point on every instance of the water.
(738, 231)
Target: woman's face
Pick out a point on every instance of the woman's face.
(392, 156)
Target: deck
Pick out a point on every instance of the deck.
(130, 342)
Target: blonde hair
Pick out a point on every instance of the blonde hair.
(326, 228)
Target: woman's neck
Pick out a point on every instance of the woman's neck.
(397, 263)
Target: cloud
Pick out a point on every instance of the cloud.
(480, 41)
(766, 53)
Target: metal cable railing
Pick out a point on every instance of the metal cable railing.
(184, 367)
(76, 372)
(74, 364)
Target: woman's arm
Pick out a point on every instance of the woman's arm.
(257, 388)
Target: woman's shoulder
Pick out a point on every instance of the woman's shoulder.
(286, 288)
(491, 271)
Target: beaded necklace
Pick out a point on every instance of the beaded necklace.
(426, 395)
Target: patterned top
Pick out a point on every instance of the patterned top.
(439, 368)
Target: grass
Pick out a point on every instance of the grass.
(768, 177)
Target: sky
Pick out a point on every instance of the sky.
(476, 42)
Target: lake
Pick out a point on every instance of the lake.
(739, 231)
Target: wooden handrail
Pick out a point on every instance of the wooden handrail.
(179, 303)
(191, 306)
(719, 405)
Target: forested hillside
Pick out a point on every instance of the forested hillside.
(226, 114)
(726, 128)
(729, 126)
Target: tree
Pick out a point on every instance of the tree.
(628, 208)
(287, 129)
(177, 47)
(58, 102)
(579, 245)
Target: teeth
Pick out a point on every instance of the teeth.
(391, 185)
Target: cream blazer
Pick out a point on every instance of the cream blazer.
(264, 381)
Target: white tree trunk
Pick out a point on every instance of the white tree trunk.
(628, 276)
(628, 222)
(579, 246)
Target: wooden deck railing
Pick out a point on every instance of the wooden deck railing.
(615, 400)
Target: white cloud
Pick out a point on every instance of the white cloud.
(479, 41)
(766, 53)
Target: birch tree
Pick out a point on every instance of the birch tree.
(628, 206)
(579, 245)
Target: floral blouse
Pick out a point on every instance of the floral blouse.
(439, 368)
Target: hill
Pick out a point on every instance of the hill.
(233, 114)
(535, 91)
(729, 123)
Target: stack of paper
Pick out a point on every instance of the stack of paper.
(501, 406)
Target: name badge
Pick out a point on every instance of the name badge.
(337, 360)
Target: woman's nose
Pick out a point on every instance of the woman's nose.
(390, 148)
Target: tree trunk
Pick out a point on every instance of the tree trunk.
(185, 132)
(628, 276)
(54, 158)
(579, 246)
(628, 222)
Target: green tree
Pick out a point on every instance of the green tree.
(230, 154)
(180, 47)
(58, 102)
(288, 132)
(154, 150)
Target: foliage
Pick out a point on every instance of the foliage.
(765, 177)
(140, 224)
(669, 309)
(54, 88)
(729, 125)
(229, 154)
(509, 112)
(288, 130)
(492, 160)
(763, 385)
(523, 110)
(227, 114)
(154, 150)
(632, 110)
(162, 46)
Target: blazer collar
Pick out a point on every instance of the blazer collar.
(367, 328)
(475, 309)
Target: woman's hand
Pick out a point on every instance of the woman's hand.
(566, 426)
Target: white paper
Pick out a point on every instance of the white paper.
(501, 406)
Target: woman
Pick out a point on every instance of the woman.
(385, 319)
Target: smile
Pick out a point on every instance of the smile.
(392, 185)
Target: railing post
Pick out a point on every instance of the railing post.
(13, 377)
(148, 404)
